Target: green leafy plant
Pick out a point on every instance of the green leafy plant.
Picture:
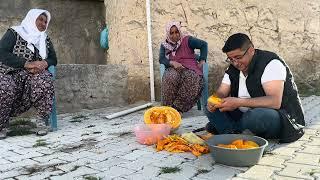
(202, 171)
(20, 127)
(165, 170)
(91, 178)
(40, 142)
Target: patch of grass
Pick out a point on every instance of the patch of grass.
(124, 134)
(306, 89)
(267, 152)
(19, 131)
(92, 178)
(40, 142)
(33, 169)
(166, 170)
(20, 127)
(75, 168)
(75, 120)
(78, 118)
(86, 143)
(22, 122)
(313, 171)
(202, 171)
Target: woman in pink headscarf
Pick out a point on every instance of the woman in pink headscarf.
(25, 54)
(182, 81)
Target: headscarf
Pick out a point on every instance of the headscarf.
(29, 32)
(170, 46)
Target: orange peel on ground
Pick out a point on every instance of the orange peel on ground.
(176, 144)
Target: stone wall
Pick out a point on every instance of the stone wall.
(74, 28)
(90, 86)
(291, 28)
(126, 20)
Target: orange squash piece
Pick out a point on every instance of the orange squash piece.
(163, 114)
(230, 146)
(240, 144)
(250, 143)
(214, 100)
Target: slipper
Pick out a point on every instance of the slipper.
(3, 133)
(42, 132)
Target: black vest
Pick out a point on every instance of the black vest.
(292, 116)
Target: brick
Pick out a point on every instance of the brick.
(310, 149)
(308, 159)
(78, 172)
(310, 131)
(276, 177)
(50, 157)
(305, 137)
(45, 151)
(139, 164)
(186, 155)
(74, 156)
(296, 144)
(105, 165)
(119, 147)
(67, 167)
(169, 161)
(39, 175)
(155, 156)
(315, 141)
(114, 172)
(6, 154)
(300, 171)
(29, 155)
(138, 176)
(9, 174)
(105, 155)
(148, 172)
(259, 172)
(20, 164)
(274, 161)
(202, 162)
(186, 172)
(220, 172)
(135, 154)
(285, 151)
(3, 161)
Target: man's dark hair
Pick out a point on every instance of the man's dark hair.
(237, 41)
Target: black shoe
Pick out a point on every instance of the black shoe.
(211, 129)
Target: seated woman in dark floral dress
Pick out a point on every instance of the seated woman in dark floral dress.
(182, 81)
(25, 54)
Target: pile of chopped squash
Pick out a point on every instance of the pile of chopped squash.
(240, 144)
(175, 143)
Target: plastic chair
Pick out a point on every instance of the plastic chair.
(204, 95)
(53, 116)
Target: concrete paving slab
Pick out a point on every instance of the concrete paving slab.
(107, 149)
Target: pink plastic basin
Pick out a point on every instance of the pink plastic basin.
(151, 133)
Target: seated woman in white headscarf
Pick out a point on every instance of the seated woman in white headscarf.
(25, 54)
